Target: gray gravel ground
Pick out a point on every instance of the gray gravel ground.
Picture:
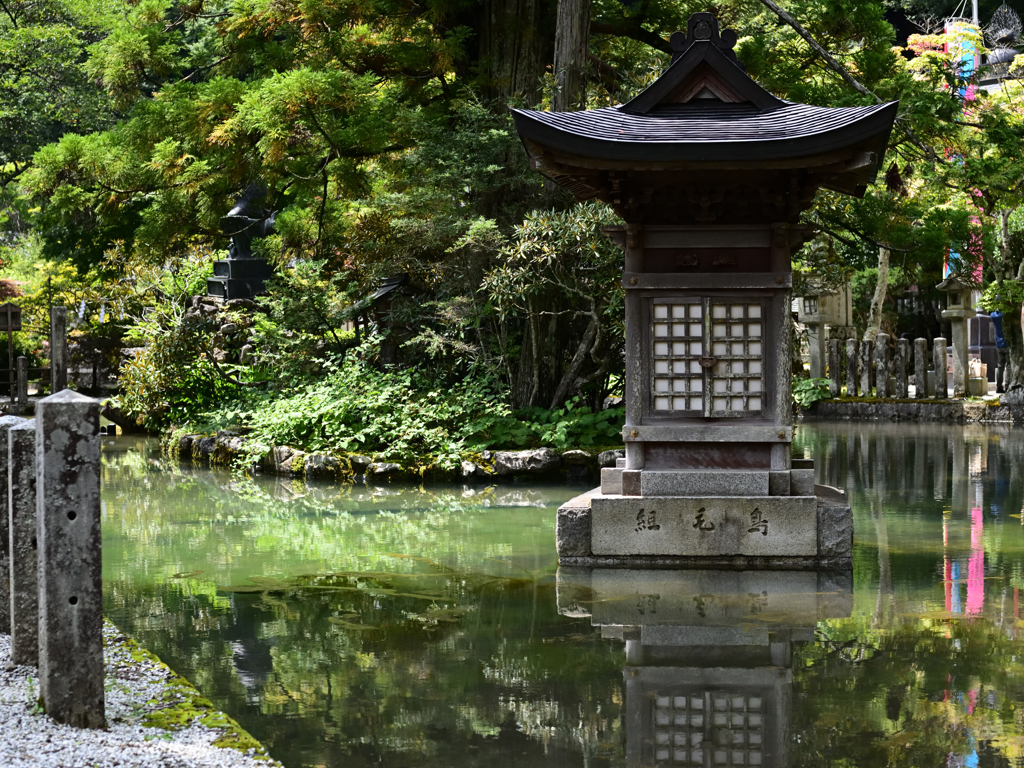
(30, 738)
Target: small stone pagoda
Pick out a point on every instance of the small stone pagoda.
(710, 172)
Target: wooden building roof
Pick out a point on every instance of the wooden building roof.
(705, 114)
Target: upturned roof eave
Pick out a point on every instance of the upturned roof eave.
(874, 125)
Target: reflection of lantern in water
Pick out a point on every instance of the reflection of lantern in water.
(709, 655)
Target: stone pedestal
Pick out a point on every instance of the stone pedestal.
(813, 530)
(238, 278)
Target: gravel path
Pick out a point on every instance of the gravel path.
(137, 688)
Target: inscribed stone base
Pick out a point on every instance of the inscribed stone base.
(712, 525)
(754, 532)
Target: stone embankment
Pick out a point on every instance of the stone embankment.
(227, 448)
(155, 719)
(951, 411)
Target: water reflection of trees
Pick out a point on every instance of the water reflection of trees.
(928, 670)
(361, 672)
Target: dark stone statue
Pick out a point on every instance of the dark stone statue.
(248, 220)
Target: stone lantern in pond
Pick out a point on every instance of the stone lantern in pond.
(710, 173)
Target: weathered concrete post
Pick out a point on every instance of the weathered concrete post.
(21, 384)
(852, 370)
(6, 422)
(902, 357)
(68, 533)
(939, 362)
(921, 367)
(866, 357)
(882, 365)
(58, 349)
(835, 373)
(21, 496)
(816, 350)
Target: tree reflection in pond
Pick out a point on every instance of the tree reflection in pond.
(404, 627)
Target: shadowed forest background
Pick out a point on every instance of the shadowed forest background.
(380, 133)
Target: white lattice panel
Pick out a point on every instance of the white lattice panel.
(707, 356)
(708, 728)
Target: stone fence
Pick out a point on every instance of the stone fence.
(869, 371)
(51, 601)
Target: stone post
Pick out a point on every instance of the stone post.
(866, 356)
(882, 365)
(921, 367)
(21, 391)
(961, 349)
(939, 361)
(58, 349)
(21, 495)
(902, 357)
(816, 349)
(68, 534)
(835, 374)
(6, 422)
(852, 371)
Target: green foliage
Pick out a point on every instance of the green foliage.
(1007, 296)
(573, 426)
(806, 392)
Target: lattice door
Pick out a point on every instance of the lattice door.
(707, 356)
(708, 728)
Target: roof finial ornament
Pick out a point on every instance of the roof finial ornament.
(703, 28)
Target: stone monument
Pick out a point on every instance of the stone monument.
(242, 274)
(710, 173)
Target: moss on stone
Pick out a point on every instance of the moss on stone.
(181, 705)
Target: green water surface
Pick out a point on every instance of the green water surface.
(348, 626)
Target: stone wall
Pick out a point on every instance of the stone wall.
(226, 448)
(952, 411)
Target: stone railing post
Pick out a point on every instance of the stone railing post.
(21, 496)
(882, 365)
(866, 357)
(921, 367)
(6, 422)
(902, 358)
(21, 385)
(58, 349)
(852, 371)
(68, 533)
(835, 374)
(939, 361)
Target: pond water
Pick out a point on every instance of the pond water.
(432, 627)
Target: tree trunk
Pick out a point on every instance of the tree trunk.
(572, 43)
(1011, 318)
(571, 374)
(874, 325)
(514, 49)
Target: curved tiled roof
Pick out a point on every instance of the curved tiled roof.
(706, 130)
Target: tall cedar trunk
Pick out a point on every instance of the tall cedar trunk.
(514, 49)
(572, 43)
(1012, 333)
(874, 325)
